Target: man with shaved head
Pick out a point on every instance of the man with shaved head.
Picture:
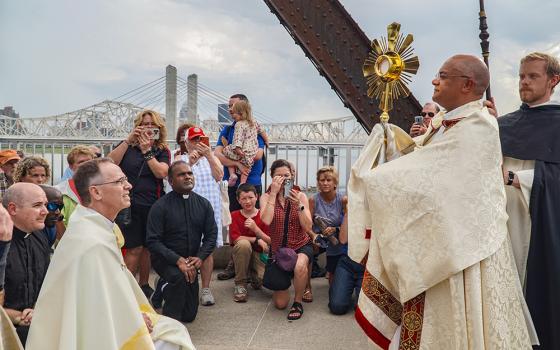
(29, 253)
(440, 274)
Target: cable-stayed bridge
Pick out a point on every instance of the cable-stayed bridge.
(196, 103)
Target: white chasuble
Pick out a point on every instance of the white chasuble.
(89, 299)
(430, 227)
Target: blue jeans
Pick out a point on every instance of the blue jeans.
(347, 280)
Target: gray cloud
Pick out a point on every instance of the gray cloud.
(64, 55)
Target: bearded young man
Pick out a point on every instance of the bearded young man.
(428, 220)
(531, 150)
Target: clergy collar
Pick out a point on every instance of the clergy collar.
(19, 233)
(464, 110)
(108, 222)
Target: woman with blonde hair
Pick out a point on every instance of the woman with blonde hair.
(144, 158)
(32, 169)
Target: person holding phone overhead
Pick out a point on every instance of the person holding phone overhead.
(245, 145)
(144, 158)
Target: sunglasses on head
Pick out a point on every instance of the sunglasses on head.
(53, 206)
(430, 114)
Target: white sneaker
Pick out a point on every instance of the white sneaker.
(206, 297)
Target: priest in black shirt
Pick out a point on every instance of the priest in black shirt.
(28, 258)
(531, 150)
(177, 224)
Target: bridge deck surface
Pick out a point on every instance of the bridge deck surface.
(258, 325)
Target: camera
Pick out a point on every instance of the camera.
(153, 133)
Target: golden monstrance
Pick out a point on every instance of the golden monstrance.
(389, 68)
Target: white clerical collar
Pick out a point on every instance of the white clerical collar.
(185, 196)
(547, 103)
(463, 110)
(108, 222)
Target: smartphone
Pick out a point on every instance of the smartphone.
(205, 140)
(153, 133)
(418, 119)
(288, 185)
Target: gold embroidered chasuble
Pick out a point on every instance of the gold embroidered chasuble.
(89, 299)
(439, 267)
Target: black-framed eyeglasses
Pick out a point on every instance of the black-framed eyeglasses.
(122, 181)
(443, 76)
(429, 114)
(54, 206)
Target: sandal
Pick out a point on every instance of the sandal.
(307, 296)
(296, 311)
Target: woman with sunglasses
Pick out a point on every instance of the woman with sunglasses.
(428, 112)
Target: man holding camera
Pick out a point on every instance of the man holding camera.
(423, 121)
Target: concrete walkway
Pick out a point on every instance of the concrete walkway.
(258, 325)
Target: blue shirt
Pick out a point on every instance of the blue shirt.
(254, 177)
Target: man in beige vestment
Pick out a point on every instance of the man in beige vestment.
(439, 267)
(89, 299)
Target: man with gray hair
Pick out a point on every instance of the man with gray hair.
(531, 172)
(429, 111)
(88, 279)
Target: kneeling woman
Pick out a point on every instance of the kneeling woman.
(275, 206)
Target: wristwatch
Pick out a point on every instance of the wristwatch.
(511, 176)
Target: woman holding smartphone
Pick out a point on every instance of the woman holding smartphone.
(284, 199)
(144, 158)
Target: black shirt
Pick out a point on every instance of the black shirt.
(176, 226)
(28, 260)
(146, 187)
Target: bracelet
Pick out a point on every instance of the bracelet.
(148, 155)
(126, 141)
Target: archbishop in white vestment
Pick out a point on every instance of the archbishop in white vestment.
(439, 267)
(89, 299)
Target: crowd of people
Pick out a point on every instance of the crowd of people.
(75, 258)
(164, 210)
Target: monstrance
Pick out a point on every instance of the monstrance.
(389, 68)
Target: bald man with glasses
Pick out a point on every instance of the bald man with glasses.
(88, 280)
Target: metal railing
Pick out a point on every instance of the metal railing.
(307, 157)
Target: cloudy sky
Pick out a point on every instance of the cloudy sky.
(62, 55)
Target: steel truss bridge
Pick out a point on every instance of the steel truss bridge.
(113, 118)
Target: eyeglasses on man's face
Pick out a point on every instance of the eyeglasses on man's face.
(121, 181)
(429, 114)
(445, 76)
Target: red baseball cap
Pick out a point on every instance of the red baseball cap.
(194, 132)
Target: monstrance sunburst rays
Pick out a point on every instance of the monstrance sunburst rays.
(389, 68)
